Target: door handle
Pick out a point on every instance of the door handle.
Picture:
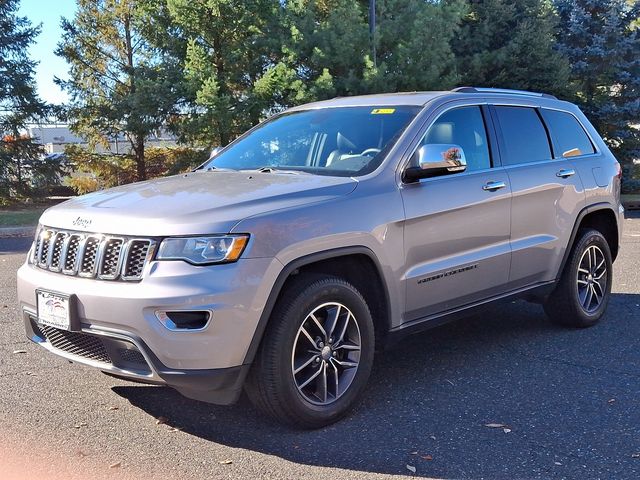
(493, 186)
(566, 172)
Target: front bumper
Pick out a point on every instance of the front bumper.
(121, 335)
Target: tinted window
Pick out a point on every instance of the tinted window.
(568, 137)
(524, 135)
(463, 127)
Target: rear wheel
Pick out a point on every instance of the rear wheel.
(581, 297)
(317, 353)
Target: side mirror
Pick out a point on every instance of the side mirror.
(215, 151)
(434, 160)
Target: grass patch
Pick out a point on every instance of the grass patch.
(20, 217)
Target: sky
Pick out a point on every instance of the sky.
(48, 13)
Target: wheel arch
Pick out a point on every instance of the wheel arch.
(339, 262)
(600, 216)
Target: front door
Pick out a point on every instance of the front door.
(457, 226)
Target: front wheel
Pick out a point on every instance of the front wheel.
(317, 353)
(582, 294)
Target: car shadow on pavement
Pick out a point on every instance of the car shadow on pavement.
(504, 394)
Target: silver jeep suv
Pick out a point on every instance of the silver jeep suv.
(283, 262)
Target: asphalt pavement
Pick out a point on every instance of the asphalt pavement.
(560, 403)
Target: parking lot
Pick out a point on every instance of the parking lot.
(559, 403)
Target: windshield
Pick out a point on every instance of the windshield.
(343, 141)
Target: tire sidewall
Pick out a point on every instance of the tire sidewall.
(589, 238)
(329, 290)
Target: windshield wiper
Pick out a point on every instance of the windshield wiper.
(279, 170)
(219, 169)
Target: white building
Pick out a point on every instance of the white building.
(55, 137)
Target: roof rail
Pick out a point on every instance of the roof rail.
(502, 90)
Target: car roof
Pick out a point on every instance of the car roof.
(382, 99)
(418, 98)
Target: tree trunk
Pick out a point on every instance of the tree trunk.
(141, 167)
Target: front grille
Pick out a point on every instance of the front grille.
(131, 356)
(91, 255)
(86, 346)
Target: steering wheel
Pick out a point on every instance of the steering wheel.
(370, 152)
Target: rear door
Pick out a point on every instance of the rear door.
(457, 226)
(547, 195)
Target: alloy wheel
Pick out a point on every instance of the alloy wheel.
(326, 353)
(592, 279)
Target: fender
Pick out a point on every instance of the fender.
(291, 267)
(583, 213)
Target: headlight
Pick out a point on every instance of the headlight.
(203, 250)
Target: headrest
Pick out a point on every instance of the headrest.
(440, 133)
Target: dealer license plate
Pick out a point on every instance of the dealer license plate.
(53, 309)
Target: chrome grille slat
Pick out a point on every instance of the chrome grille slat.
(55, 250)
(91, 255)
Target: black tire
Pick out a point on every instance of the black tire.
(566, 305)
(272, 385)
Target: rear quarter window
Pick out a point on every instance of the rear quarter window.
(567, 135)
(524, 136)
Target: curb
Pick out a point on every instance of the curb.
(10, 232)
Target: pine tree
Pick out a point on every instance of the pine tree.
(19, 103)
(601, 38)
(228, 46)
(413, 45)
(118, 84)
(511, 44)
(328, 49)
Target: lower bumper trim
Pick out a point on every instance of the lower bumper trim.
(126, 356)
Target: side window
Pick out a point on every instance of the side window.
(525, 138)
(568, 137)
(462, 126)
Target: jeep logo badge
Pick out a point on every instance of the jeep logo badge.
(81, 222)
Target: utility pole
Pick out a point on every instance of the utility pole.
(372, 29)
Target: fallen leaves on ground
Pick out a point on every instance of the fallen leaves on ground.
(115, 465)
(161, 420)
(225, 462)
(15, 352)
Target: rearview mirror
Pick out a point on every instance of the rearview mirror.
(436, 159)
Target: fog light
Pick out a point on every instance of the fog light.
(184, 320)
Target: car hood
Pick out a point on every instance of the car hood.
(194, 203)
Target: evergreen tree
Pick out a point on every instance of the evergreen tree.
(118, 84)
(601, 38)
(323, 54)
(19, 103)
(413, 45)
(511, 44)
(228, 47)
(328, 49)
